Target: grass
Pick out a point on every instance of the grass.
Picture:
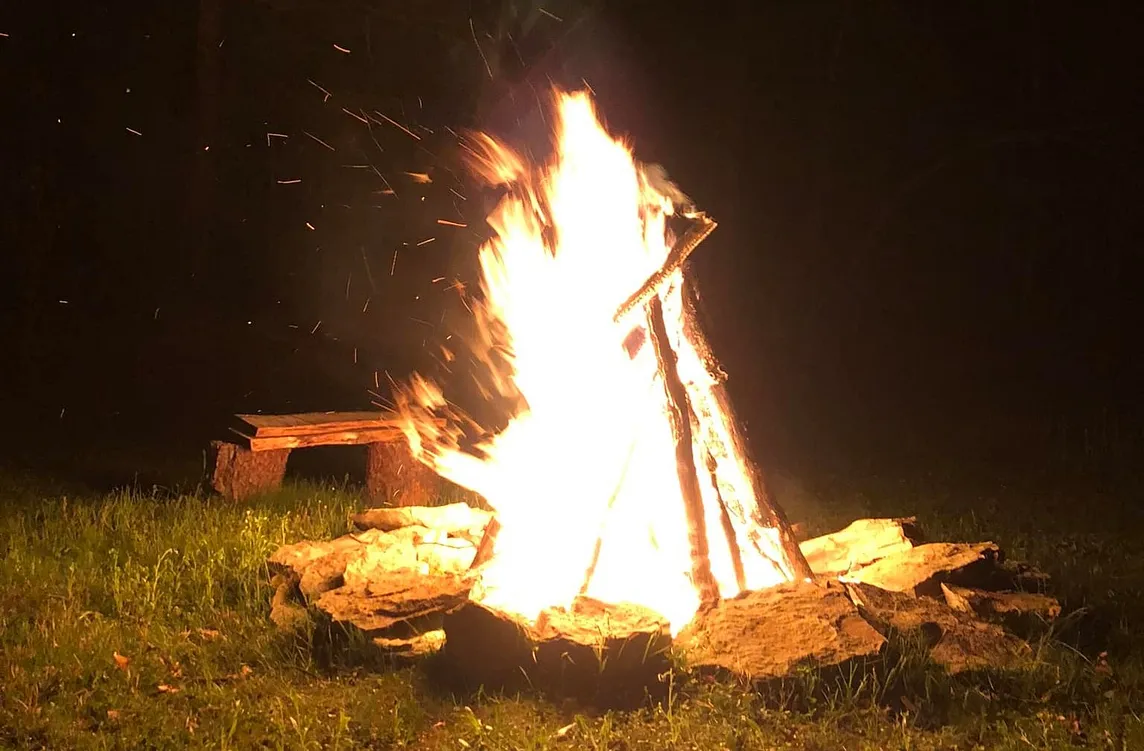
(140, 620)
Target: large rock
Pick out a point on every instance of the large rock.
(958, 641)
(594, 651)
(770, 633)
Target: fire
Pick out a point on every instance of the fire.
(584, 479)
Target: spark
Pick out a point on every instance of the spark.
(437, 279)
(316, 327)
(328, 146)
(368, 275)
(426, 242)
(355, 355)
(319, 88)
(274, 135)
(290, 182)
(393, 265)
(551, 15)
(311, 227)
(447, 223)
(132, 130)
(365, 307)
(341, 49)
(458, 195)
(348, 279)
(398, 125)
(473, 30)
(388, 188)
(355, 115)
(421, 178)
(376, 385)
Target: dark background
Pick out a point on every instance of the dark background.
(929, 241)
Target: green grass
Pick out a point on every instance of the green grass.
(176, 586)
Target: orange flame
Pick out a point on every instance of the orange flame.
(587, 469)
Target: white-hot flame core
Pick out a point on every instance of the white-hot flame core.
(592, 457)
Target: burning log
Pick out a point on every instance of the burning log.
(679, 413)
(701, 228)
(765, 512)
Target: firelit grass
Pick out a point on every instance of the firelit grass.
(140, 620)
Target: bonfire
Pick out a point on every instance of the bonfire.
(624, 513)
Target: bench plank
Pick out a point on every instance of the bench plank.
(312, 423)
(326, 438)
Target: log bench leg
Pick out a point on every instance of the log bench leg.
(394, 478)
(240, 473)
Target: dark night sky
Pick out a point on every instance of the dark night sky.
(929, 237)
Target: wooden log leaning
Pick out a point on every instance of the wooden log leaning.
(679, 413)
(767, 511)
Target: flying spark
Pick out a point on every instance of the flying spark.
(398, 125)
(319, 88)
(328, 146)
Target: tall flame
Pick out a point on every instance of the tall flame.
(584, 477)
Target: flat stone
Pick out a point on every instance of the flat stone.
(396, 603)
(457, 519)
(921, 570)
(412, 647)
(769, 633)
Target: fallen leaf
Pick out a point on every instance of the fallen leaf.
(113, 714)
(121, 662)
(564, 730)
(209, 633)
(165, 689)
(246, 670)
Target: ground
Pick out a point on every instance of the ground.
(139, 619)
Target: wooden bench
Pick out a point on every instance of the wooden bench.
(254, 460)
